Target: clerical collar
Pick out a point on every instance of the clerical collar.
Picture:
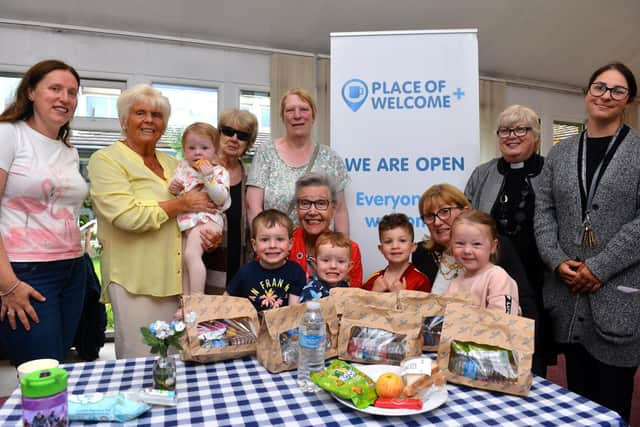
(518, 165)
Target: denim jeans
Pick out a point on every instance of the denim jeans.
(63, 284)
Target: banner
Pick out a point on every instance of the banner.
(404, 116)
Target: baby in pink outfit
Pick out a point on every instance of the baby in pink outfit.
(199, 169)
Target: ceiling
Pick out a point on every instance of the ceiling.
(552, 41)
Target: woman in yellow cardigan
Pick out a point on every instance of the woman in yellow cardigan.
(142, 254)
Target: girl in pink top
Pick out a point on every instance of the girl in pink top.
(474, 244)
(199, 168)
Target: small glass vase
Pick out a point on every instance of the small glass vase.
(164, 373)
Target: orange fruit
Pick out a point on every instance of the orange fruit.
(389, 385)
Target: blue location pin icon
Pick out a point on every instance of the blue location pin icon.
(354, 93)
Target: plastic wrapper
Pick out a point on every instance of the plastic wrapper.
(483, 362)
(289, 346)
(225, 332)
(104, 407)
(346, 382)
(431, 330)
(377, 345)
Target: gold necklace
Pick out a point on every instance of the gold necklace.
(449, 270)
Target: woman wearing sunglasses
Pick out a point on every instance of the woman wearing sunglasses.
(237, 133)
(505, 188)
(439, 206)
(278, 164)
(587, 225)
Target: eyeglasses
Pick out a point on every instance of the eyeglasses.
(444, 214)
(228, 131)
(305, 205)
(617, 92)
(517, 131)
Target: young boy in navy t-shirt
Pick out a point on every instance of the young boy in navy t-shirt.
(272, 281)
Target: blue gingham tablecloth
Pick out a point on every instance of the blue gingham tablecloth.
(242, 392)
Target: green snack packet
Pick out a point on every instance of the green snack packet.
(346, 382)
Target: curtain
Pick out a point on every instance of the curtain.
(492, 103)
(323, 119)
(287, 72)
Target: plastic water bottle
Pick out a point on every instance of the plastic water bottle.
(311, 342)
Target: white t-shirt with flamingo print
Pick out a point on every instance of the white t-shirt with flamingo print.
(42, 196)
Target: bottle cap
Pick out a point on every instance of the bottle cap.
(45, 383)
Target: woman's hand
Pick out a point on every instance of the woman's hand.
(17, 305)
(567, 271)
(585, 282)
(209, 239)
(197, 201)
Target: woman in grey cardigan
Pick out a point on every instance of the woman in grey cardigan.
(587, 225)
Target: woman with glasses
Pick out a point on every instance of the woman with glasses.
(278, 164)
(505, 188)
(316, 198)
(237, 133)
(587, 226)
(439, 206)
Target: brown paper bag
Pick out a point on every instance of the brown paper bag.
(374, 335)
(218, 328)
(486, 349)
(278, 339)
(347, 298)
(430, 308)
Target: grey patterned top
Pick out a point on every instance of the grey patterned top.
(278, 179)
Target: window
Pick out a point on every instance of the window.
(99, 98)
(188, 104)
(259, 103)
(562, 130)
(8, 86)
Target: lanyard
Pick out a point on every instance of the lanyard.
(590, 192)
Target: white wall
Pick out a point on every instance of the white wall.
(139, 61)
(550, 106)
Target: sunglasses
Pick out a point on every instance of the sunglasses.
(228, 131)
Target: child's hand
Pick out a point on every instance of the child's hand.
(176, 186)
(398, 285)
(206, 168)
(380, 285)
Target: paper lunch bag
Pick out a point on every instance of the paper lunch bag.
(231, 321)
(496, 343)
(279, 327)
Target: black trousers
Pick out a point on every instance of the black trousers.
(610, 386)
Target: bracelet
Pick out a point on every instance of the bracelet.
(13, 288)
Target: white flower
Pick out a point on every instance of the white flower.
(179, 326)
(162, 329)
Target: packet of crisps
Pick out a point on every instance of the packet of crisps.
(347, 382)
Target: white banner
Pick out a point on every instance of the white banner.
(404, 116)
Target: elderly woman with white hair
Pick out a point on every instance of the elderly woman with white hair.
(506, 188)
(141, 259)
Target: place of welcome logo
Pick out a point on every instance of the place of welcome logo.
(354, 93)
(399, 95)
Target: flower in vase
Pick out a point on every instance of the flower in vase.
(160, 335)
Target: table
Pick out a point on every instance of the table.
(241, 392)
